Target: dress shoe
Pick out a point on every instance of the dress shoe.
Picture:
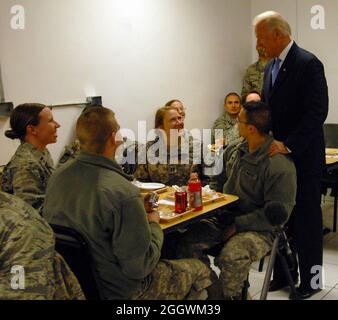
(277, 285)
(303, 294)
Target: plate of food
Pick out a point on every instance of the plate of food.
(151, 186)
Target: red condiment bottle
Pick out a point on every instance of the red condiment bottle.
(195, 192)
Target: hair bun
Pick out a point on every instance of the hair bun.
(11, 134)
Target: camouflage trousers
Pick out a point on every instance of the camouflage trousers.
(177, 280)
(233, 258)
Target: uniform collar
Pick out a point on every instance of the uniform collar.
(256, 156)
(101, 161)
(38, 154)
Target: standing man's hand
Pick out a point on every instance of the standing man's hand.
(277, 147)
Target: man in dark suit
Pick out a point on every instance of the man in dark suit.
(295, 88)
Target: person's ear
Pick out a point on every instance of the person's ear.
(252, 129)
(30, 129)
(277, 34)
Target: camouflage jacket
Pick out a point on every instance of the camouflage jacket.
(256, 179)
(100, 202)
(173, 167)
(230, 129)
(30, 268)
(27, 173)
(253, 79)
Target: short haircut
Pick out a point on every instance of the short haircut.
(159, 116)
(258, 114)
(169, 103)
(22, 116)
(94, 127)
(273, 20)
(230, 95)
(244, 97)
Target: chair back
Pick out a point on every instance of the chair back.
(331, 135)
(75, 250)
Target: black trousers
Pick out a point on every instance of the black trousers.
(305, 228)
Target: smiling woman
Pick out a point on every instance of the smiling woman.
(28, 171)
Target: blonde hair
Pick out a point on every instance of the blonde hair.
(94, 127)
(273, 20)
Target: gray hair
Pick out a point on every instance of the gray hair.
(273, 20)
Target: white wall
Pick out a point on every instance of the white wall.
(137, 54)
(323, 43)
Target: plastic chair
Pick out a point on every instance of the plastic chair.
(75, 250)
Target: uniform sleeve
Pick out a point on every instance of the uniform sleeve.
(136, 242)
(246, 84)
(29, 185)
(217, 131)
(279, 186)
(142, 173)
(25, 260)
(219, 175)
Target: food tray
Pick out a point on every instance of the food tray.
(167, 213)
(207, 198)
(158, 191)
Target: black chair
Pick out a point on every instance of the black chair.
(75, 250)
(282, 249)
(331, 135)
(330, 176)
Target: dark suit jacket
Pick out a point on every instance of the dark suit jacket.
(299, 107)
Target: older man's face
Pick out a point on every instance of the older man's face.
(267, 40)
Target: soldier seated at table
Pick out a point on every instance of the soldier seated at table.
(29, 169)
(94, 196)
(30, 268)
(243, 232)
(173, 155)
(225, 129)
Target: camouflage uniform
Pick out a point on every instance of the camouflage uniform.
(234, 258)
(27, 173)
(229, 127)
(173, 167)
(256, 179)
(127, 155)
(193, 277)
(253, 79)
(27, 240)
